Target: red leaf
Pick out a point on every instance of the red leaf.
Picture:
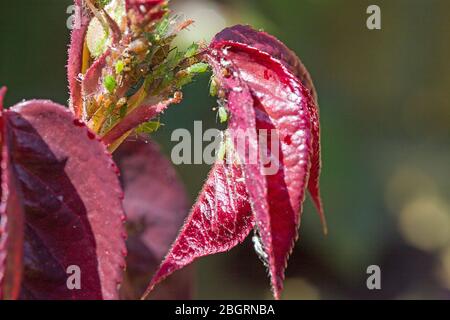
(11, 224)
(278, 50)
(72, 202)
(282, 103)
(156, 206)
(220, 219)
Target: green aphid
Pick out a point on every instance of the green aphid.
(162, 27)
(222, 151)
(192, 50)
(223, 114)
(123, 111)
(148, 127)
(119, 66)
(197, 68)
(110, 83)
(213, 87)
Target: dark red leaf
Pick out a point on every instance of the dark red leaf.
(278, 50)
(316, 166)
(90, 100)
(220, 219)
(282, 103)
(11, 224)
(156, 206)
(72, 202)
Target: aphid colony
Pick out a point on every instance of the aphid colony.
(129, 61)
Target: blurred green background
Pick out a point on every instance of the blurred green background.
(385, 112)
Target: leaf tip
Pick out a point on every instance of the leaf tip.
(320, 210)
(277, 287)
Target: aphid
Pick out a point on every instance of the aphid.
(184, 25)
(110, 83)
(120, 65)
(122, 101)
(177, 97)
(138, 46)
(222, 113)
(213, 87)
(225, 72)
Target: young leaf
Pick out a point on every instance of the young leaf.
(278, 50)
(11, 232)
(148, 127)
(198, 68)
(72, 204)
(135, 118)
(156, 206)
(192, 50)
(110, 83)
